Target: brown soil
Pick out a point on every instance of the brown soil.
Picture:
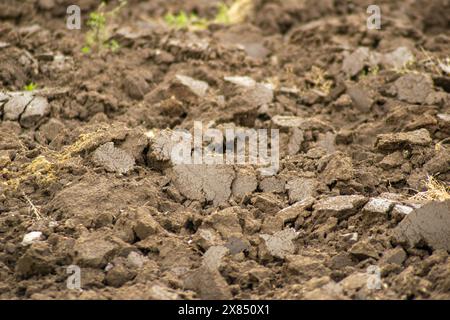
(81, 157)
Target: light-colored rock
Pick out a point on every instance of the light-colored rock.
(393, 141)
(378, 205)
(280, 244)
(414, 88)
(445, 67)
(196, 86)
(402, 209)
(296, 139)
(136, 260)
(397, 58)
(355, 62)
(241, 81)
(260, 94)
(340, 206)
(161, 144)
(327, 141)
(291, 213)
(35, 111)
(3, 97)
(445, 117)
(203, 182)
(272, 184)
(245, 182)
(284, 123)
(430, 224)
(351, 237)
(213, 257)
(300, 189)
(113, 159)
(288, 121)
(16, 105)
(31, 237)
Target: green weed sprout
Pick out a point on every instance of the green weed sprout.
(223, 15)
(235, 13)
(179, 21)
(98, 36)
(184, 21)
(30, 87)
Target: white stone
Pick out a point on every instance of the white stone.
(136, 260)
(350, 237)
(213, 257)
(398, 58)
(3, 97)
(16, 105)
(196, 86)
(241, 81)
(378, 205)
(340, 206)
(444, 117)
(31, 237)
(53, 224)
(445, 67)
(108, 267)
(280, 244)
(35, 110)
(402, 209)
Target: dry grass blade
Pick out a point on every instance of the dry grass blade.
(33, 208)
(436, 191)
(240, 10)
(431, 61)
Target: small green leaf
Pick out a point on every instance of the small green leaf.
(222, 14)
(30, 87)
(114, 45)
(98, 35)
(169, 19)
(86, 50)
